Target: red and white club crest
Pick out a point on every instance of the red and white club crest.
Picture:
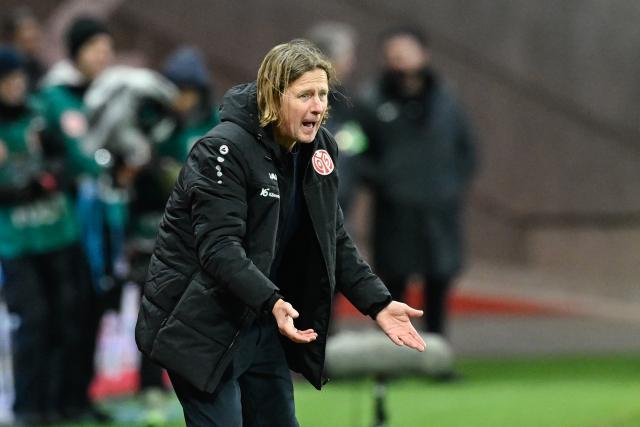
(322, 162)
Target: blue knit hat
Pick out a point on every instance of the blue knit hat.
(186, 67)
(10, 61)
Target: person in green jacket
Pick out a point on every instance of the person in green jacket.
(61, 96)
(38, 245)
(61, 102)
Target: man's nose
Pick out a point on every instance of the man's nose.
(317, 106)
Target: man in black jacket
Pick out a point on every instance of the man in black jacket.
(251, 230)
(420, 162)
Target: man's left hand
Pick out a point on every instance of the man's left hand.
(395, 321)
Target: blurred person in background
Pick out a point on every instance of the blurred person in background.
(39, 240)
(420, 163)
(194, 106)
(338, 42)
(251, 230)
(21, 29)
(61, 95)
(60, 100)
(132, 115)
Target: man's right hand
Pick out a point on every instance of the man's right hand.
(284, 314)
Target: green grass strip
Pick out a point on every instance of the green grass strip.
(554, 392)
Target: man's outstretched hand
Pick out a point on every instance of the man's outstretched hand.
(395, 321)
(284, 314)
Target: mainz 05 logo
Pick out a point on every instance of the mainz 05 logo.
(322, 162)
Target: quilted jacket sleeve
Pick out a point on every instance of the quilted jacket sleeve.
(216, 180)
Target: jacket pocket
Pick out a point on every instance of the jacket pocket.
(198, 333)
(150, 319)
(164, 284)
(184, 350)
(211, 311)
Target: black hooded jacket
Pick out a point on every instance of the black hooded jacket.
(209, 273)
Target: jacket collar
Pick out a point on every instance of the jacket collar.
(277, 152)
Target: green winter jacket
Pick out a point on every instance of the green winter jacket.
(64, 113)
(35, 217)
(179, 144)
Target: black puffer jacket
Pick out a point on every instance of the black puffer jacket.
(209, 273)
(422, 156)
